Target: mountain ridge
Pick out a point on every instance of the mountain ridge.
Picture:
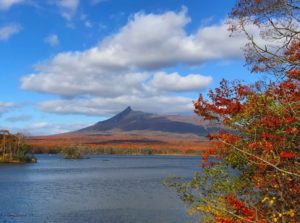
(129, 120)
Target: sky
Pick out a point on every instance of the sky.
(66, 64)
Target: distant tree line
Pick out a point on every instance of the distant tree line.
(67, 150)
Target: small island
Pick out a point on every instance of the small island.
(71, 153)
(13, 149)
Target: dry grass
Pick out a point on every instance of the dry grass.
(158, 142)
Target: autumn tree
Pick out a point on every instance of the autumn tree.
(253, 174)
(13, 148)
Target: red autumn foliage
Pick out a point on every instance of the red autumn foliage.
(293, 52)
(287, 155)
(262, 125)
(261, 121)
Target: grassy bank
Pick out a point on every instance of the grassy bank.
(76, 152)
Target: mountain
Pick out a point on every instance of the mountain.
(137, 121)
(133, 132)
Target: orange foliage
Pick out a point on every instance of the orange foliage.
(161, 144)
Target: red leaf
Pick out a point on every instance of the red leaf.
(287, 155)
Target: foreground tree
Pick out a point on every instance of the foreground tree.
(254, 174)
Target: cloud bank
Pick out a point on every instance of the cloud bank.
(46, 128)
(128, 67)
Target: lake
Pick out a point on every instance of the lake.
(104, 188)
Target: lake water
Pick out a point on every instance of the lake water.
(104, 188)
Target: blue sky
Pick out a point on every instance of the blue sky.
(65, 64)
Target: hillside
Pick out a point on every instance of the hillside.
(134, 130)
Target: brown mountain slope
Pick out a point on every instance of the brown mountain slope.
(134, 130)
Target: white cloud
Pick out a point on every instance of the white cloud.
(110, 85)
(74, 83)
(6, 106)
(7, 31)
(7, 4)
(46, 128)
(175, 82)
(124, 68)
(39, 125)
(68, 8)
(99, 106)
(52, 40)
(147, 42)
(154, 41)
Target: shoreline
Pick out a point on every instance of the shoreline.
(124, 154)
(12, 162)
(16, 161)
